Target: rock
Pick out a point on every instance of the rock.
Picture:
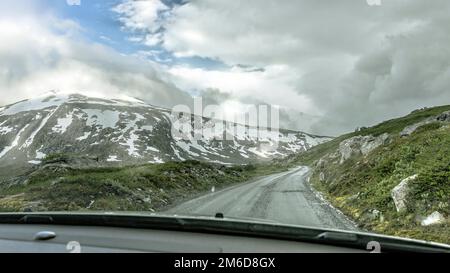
(400, 192)
(375, 213)
(444, 117)
(360, 145)
(371, 143)
(348, 148)
(354, 197)
(443, 205)
(433, 219)
(372, 215)
(57, 181)
(322, 177)
(321, 163)
(412, 128)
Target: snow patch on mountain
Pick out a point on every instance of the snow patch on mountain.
(102, 118)
(14, 143)
(33, 105)
(63, 124)
(6, 130)
(30, 140)
(84, 137)
(113, 158)
(132, 132)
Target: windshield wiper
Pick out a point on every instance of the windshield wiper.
(356, 240)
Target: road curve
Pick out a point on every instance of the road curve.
(284, 198)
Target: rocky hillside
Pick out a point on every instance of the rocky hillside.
(127, 132)
(393, 178)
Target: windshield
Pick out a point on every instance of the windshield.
(322, 114)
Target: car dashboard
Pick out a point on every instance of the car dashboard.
(83, 239)
(152, 233)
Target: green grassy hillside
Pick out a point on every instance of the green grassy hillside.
(393, 126)
(361, 186)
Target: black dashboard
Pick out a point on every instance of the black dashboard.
(148, 233)
(75, 239)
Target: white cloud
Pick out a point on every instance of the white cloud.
(350, 62)
(142, 16)
(344, 62)
(271, 85)
(263, 32)
(35, 57)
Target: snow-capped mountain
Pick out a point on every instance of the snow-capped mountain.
(128, 132)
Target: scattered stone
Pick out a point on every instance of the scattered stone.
(373, 215)
(376, 214)
(354, 197)
(400, 192)
(322, 177)
(90, 204)
(433, 219)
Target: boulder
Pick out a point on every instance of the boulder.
(433, 219)
(400, 192)
(371, 143)
(412, 128)
(360, 145)
(349, 148)
(444, 117)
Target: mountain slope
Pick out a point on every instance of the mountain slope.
(118, 132)
(147, 188)
(393, 178)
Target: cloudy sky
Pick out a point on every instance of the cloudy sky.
(331, 65)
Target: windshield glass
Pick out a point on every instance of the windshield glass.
(324, 114)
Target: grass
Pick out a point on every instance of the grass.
(364, 183)
(394, 126)
(149, 187)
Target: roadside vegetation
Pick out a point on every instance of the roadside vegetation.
(362, 185)
(393, 127)
(56, 186)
